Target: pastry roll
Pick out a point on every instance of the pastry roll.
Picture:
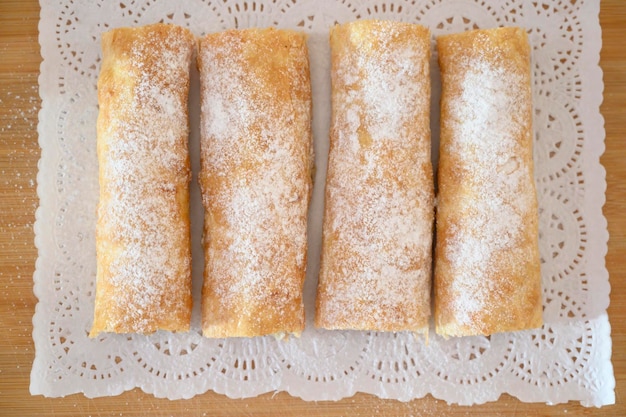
(143, 279)
(379, 209)
(256, 162)
(487, 273)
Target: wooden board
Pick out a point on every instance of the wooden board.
(19, 153)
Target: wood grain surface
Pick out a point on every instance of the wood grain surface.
(19, 153)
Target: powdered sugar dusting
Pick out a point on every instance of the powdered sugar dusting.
(486, 135)
(143, 224)
(256, 182)
(376, 263)
(486, 152)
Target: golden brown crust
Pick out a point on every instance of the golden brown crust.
(487, 269)
(142, 233)
(255, 180)
(376, 252)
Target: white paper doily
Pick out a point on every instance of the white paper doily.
(568, 359)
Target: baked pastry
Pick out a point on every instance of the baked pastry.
(379, 208)
(142, 233)
(256, 162)
(487, 266)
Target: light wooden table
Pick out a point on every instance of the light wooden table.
(19, 152)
